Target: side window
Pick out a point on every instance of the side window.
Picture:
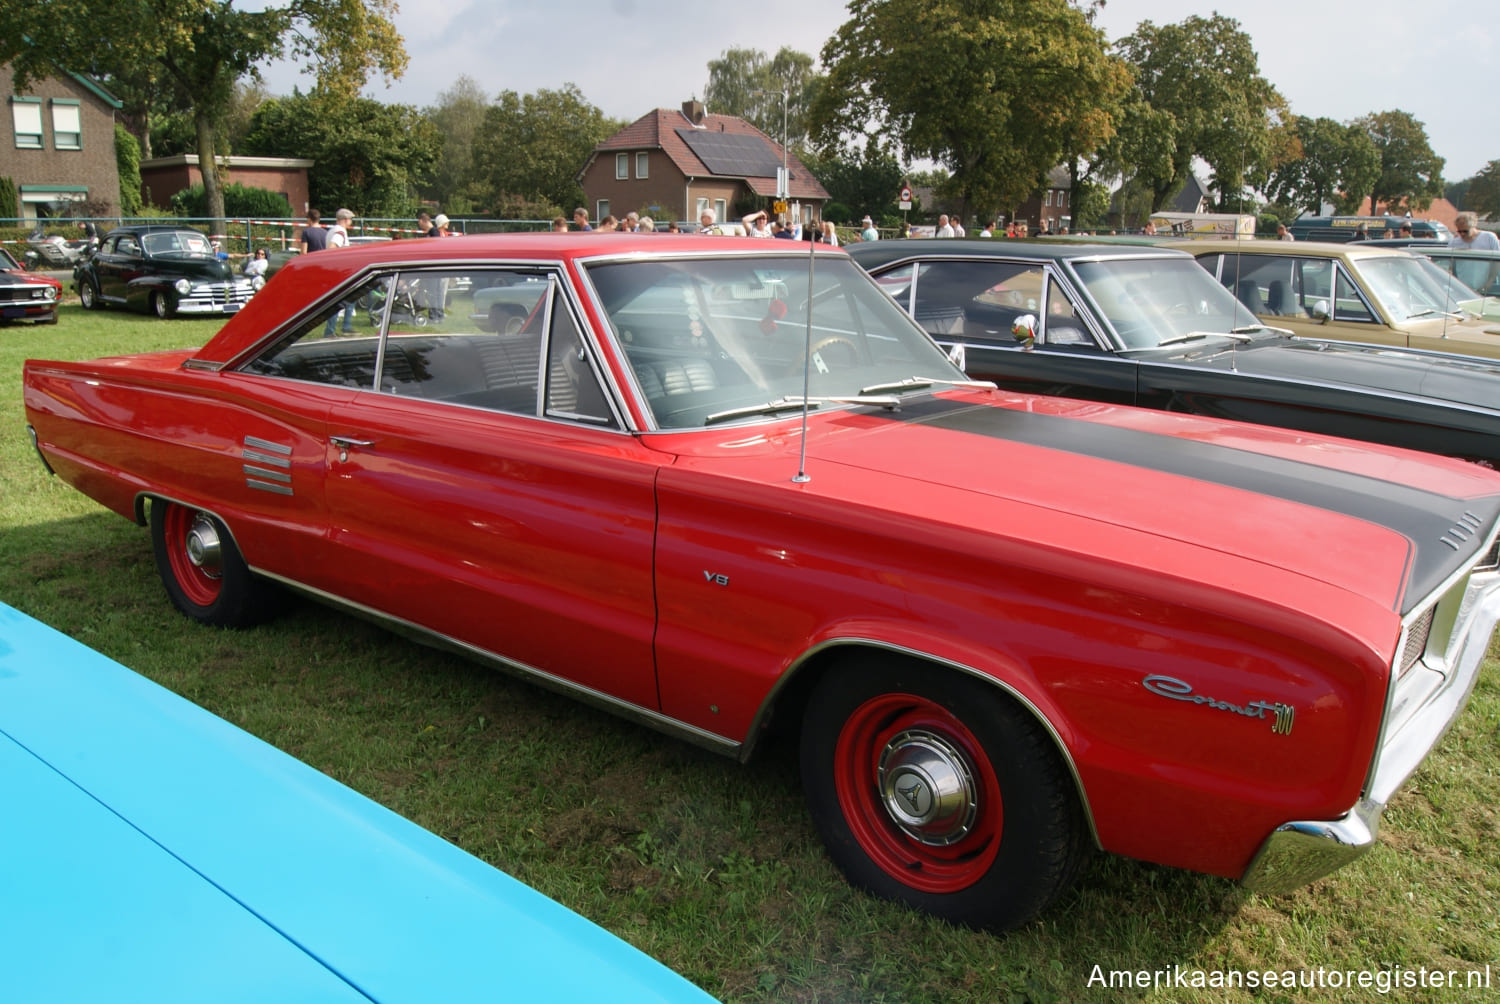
(1263, 283)
(127, 245)
(573, 388)
(1063, 325)
(319, 351)
(1348, 305)
(976, 300)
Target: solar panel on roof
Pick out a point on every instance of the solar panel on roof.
(732, 154)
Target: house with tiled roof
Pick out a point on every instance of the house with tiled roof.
(61, 150)
(673, 163)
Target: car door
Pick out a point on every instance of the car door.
(976, 305)
(113, 266)
(1310, 295)
(482, 487)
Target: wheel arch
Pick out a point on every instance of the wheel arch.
(780, 712)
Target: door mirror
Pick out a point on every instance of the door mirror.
(957, 356)
(1320, 311)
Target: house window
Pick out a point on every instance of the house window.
(622, 166)
(601, 209)
(1062, 198)
(721, 210)
(1049, 198)
(67, 125)
(702, 205)
(642, 165)
(26, 116)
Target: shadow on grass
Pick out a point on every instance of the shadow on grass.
(712, 867)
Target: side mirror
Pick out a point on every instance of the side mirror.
(1024, 329)
(1320, 311)
(958, 357)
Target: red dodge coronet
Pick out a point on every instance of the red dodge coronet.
(708, 483)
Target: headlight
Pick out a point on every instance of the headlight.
(49, 292)
(257, 282)
(183, 287)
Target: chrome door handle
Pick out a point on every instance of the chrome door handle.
(345, 442)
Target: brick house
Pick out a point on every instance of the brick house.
(61, 150)
(164, 177)
(1048, 209)
(672, 164)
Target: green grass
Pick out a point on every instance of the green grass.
(709, 866)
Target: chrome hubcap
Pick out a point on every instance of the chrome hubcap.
(927, 787)
(203, 547)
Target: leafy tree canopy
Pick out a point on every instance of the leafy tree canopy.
(532, 147)
(748, 84)
(1331, 163)
(458, 116)
(1411, 175)
(367, 156)
(868, 181)
(1482, 194)
(995, 90)
(199, 49)
(1200, 94)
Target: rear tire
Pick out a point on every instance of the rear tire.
(507, 319)
(203, 572)
(937, 790)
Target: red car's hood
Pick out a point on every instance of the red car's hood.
(1386, 524)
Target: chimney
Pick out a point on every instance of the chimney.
(693, 111)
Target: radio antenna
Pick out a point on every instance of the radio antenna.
(802, 477)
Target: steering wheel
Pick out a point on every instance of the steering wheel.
(832, 340)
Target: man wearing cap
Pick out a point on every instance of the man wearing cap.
(869, 233)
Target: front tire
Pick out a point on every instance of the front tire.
(87, 294)
(938, 790)
(202, 570)
(160, 304)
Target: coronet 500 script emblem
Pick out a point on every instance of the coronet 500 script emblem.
(1282, 715)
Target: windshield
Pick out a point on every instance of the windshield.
(1459, 294)
(181, 240)
(709, 337)
(1410, 287)
(1158, 301)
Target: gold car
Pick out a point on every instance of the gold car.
(1383, 296)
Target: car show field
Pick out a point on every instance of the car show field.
(709, 867)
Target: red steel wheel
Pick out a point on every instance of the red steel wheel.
(938, 789)
(919, 794)
(202, 570)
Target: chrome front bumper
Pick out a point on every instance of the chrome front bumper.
(1422, 707)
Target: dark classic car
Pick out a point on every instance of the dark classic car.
(728, 489)
(26, 296)
(1146, 326)
(160, 854)
(165, 270)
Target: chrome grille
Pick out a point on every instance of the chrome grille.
(1416, 640)
(1491, 559)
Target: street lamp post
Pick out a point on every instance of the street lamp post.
(784, 185)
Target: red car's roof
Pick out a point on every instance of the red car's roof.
(308, 277)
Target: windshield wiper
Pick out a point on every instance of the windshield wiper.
(1456, 315)
(795, 404)
(920, 382)
(1238, 334)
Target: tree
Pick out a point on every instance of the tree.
(1411, 175)
(1482, 194)
(996, 90)
(367, 156)
(532, 147)
(200, 49)
(1332, 163)
(747, 84)
(867, 181)
(128, 167)
(1202, 76)
(458, 116)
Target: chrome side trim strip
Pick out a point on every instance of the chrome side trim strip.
(261, 472)
(255, 443)
(37, 446)
(267, 486)
(587, 695)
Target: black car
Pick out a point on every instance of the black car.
(165, 270)
(1147, 326)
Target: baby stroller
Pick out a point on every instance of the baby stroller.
(415, 302)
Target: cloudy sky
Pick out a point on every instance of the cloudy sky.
(1437, 59)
